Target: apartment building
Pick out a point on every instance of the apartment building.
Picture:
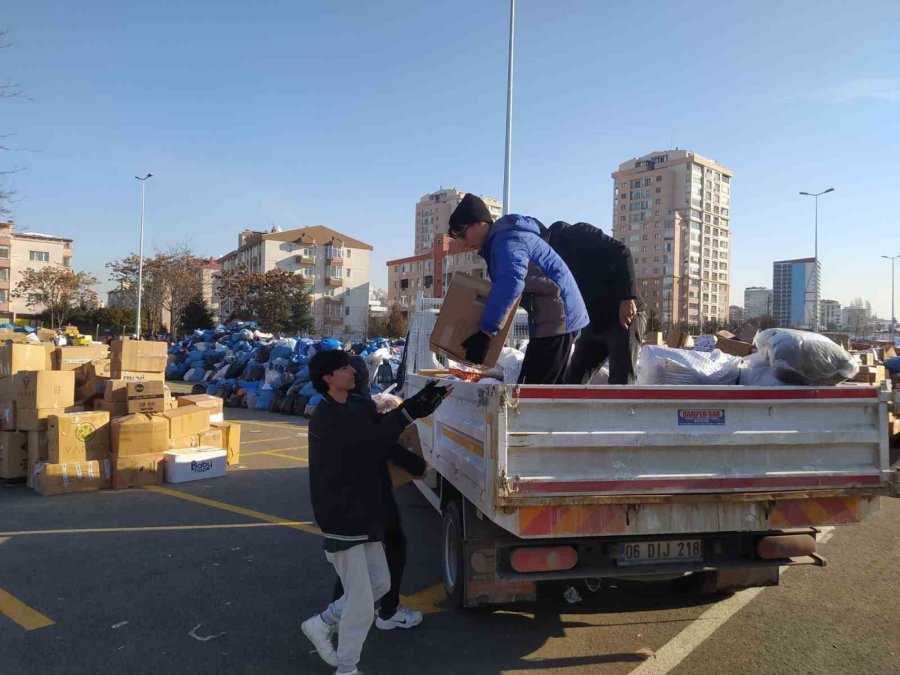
(673, 209)
(335, 265)
(795, 292)
(430, 272)
(433, 215)
(207, 283)
(830, 314)
(20, 251)
(757, 302)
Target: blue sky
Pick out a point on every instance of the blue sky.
(344, 113)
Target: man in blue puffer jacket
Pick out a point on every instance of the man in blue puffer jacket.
(520, 262)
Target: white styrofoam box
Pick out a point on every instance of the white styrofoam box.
(190, 464)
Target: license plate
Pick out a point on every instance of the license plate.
(647, 552)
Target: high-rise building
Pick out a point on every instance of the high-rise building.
(735, 314)
(433, 215)
(334, 265)
(857, 319)
(795, 292)
(830, 314)
(757, 302)
(20, 251)
(673, 210)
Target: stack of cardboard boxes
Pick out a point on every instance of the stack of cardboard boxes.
(86, 418)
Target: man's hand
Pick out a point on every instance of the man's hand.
(426, 400)
(627, 312)
(476, 347)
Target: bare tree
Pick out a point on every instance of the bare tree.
(8, 90)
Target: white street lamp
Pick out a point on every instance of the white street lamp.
(141, 259)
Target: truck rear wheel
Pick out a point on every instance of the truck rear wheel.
(452, 545)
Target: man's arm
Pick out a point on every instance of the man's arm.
(405, 459)
(509, 267)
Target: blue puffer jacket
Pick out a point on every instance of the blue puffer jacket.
(512, 243)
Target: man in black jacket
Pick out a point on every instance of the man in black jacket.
(348, 443)
(604, 270)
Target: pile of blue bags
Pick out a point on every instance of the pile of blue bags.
(250, 369)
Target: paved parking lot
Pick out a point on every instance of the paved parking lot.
(216, 577)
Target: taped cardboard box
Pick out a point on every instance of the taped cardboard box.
(60, 479)
(214, 403)
(460, 317)
(13, 454)
(142, 356)
(137, 470)
(231, 439)
(146, 397)
(409, 439)
(139, 434)
(37, 452)
(78, 437)
(189, 464)
(17, 357)
(35, 419)
(45, 388)
(72, 358)
(133, 376)
(186, 421)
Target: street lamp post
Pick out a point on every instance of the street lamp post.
(892, 258)
(507, 160)
(141, 259)
(816, 254)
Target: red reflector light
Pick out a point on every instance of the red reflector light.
(785, 546)
(543, 558)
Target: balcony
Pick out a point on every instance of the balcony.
(334, 255)
(305, 259)
(334, 281)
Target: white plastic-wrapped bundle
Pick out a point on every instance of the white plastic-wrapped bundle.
(510, 362)
(663, 365)
(804, 358)
(757, 372)
(705, 343)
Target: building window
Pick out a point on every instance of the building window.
(34, 298)
(4, 252)
(658, 179)
(3, 296)
(348, 272)
(346, 311)
(39, 256)
(4, 274)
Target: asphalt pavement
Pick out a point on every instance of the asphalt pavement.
(216, 576)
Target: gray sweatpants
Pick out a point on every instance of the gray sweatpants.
(365, 576)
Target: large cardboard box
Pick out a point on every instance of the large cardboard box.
(13, 454)
(137, 470)
(35, 419)
(114, 408)
(45, 388)
(679, 339)
(8, 416)
(734, 347)
(37, 452)
(182, 466)
(184, 442)
(409, 439)
(115, 391)
(231, 437)
(139, 434)
(142, 356)
(72, 358)
(134, 376)
(214, 403)
(16, 357)
(214, 438)
(460, 316)
(146, 397)
(187, 421)
(78, 437)
(60, 479)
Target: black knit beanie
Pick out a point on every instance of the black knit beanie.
(470, 210)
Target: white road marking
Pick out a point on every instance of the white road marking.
(679, 647)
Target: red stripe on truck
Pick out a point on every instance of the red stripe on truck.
(663, 394)
(769, 482)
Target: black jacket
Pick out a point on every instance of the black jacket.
(603, 269)
(349, 445)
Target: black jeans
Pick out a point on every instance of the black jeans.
(395, 552)
(620, 345)
(546, 359)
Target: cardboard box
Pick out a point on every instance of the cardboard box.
(35, 419)
(72, 358)
(231, 437)
(734, 347)
(214, 438)
(654, 337)
(13, 454)
(8, 416)
(59, 479)
(186, 421)
(137, 470)
(77, 437)
(182, 466)
(37, 452)
(139, 434)
(114, 408)
(146, 397)
(214, 403)
(409, 439)
(115, 391)
(460, 317)
(133, 376)
(142, 356)
(17, 357)
(679, 339)
(45, 388)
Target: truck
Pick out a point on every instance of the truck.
(721, 485)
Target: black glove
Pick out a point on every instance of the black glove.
(425, 402)
(476, 347)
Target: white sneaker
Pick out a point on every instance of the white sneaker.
(403, 618)
(319, 633)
